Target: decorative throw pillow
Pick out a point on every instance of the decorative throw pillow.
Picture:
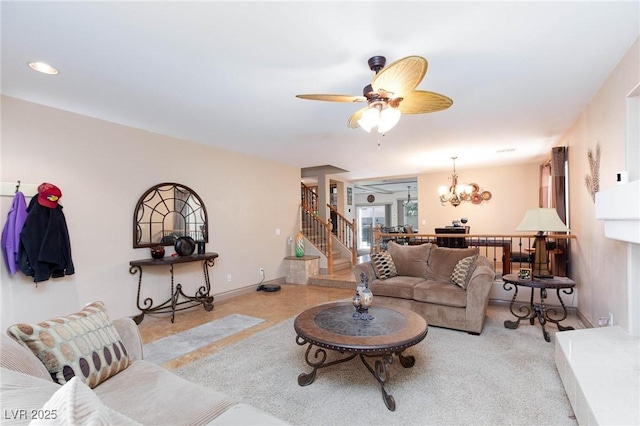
(85, 344)
(462, 271)
(76, 404)
(442, 260)
(383, 265)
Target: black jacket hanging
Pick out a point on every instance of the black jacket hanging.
(45, 250)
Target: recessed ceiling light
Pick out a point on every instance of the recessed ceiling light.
(43, 68)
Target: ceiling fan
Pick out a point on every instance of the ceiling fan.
(390, 94)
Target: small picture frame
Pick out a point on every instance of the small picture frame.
(524, 273)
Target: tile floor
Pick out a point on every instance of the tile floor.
(272, 307)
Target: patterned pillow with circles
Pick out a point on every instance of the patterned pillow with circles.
(463, 270)
(84, 345)
(383, 265)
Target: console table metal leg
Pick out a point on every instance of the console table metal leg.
(177, 300)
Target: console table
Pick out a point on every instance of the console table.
(173, 304)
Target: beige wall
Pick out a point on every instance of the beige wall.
(600, 264)
(514, 189)
(102, 169)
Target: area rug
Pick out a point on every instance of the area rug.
(502, 377)
(171, 347)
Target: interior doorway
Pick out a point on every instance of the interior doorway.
(369, 217)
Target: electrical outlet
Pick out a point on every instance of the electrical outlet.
(606, 321)
(262, 272)
(229, 277)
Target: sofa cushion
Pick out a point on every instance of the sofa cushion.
(21, 391)
(398, 286)
(383, 265)
(442, 261)
(410, 261)
(84, 344)
(16, 357)
(245, 414)
(463, 270)
(161, 397)
(76, 404)
(440, 293)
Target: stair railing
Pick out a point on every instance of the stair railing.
(345, 232)
(309, 198)
(318, 233)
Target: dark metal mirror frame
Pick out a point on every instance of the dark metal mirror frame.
(157, 203)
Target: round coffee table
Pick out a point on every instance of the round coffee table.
(332, 326)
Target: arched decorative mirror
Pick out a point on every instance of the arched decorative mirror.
(167, 212)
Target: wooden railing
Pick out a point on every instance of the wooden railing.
(309, 198)
(345, 232)
(504, 250)
(319, 232)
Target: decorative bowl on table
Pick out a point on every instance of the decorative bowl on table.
(185, 246)
(157, 252)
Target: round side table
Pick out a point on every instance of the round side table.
(538, 310)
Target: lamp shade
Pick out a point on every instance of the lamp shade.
(542, 220)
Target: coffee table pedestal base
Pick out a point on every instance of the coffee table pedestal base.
(317, 359)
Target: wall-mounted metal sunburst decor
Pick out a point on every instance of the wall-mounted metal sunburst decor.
(592, 181)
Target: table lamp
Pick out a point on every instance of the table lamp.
(541, 220)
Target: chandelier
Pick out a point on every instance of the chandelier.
(409, 202)
(456, 193)
(379, 114)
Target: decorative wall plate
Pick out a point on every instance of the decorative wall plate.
(486, 195)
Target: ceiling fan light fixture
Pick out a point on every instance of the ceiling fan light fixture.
(389, 117)
(370, 118)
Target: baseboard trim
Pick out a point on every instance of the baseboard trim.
(245, 290)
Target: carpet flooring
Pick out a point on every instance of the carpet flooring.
(171, 347)
(502, 377)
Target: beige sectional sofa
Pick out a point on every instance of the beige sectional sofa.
(448, 287)
(138, 393)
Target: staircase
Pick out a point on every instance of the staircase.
(324, 235)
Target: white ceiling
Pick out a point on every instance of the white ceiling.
(226, 73)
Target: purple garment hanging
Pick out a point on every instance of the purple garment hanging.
(11, 232)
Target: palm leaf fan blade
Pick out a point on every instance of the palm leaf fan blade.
(422, 101)
(333, 98)
(402, 76)
(353, 120)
